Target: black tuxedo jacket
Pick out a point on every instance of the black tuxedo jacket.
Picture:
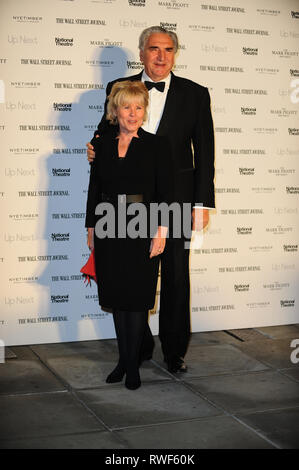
(187, 123)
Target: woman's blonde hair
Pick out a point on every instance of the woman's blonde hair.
(126, 92)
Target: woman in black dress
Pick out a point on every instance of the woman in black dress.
(131, 167)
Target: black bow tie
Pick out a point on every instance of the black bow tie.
(159, 85)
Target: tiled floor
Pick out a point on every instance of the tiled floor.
(241, 391)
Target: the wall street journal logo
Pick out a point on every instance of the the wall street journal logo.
(69, 151)
(295, 14)
(82, 86)
(287, 303)
(48, 62)
(45, 258)
(221, 68)
(258, 32)
(242, 151)
(64, 42)
(59, 299)
(223, 8)
(136, 3)
(62, 106)
(241, 287)
(244, 230)
(248, 111)
(250, 50)
(67, 277)
(60, 237)
(68, 215)
(290, 248)
(81, 21)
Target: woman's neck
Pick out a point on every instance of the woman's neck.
(124, 140)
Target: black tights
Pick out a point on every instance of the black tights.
(129, 328)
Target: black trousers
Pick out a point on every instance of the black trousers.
(174, 317)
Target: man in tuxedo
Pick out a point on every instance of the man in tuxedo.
(180, 110)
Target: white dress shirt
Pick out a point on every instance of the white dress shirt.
(156, 104)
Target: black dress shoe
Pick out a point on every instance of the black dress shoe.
(116, 375)
(177, 365)
(132, 381)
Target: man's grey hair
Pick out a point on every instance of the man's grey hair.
(157, 29)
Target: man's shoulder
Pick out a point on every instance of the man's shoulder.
(187, 83)
(122, 79)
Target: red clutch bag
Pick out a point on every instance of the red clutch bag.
(89, 269)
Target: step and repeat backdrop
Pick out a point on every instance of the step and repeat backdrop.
(56, 59)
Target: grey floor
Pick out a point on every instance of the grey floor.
(241, 392)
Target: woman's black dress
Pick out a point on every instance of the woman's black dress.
(127, 277)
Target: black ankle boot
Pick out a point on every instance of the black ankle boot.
(116, 375)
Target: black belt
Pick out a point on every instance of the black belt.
(122, 198)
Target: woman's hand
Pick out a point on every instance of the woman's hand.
(90, 238)
(158, 242)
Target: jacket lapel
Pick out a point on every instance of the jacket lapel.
(171, 105)
(170, 108)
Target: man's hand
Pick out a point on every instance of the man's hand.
(90, 151)
(200, 218)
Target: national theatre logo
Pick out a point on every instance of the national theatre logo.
(61, 171)
(136, 3)
(60, 237)
(287, 303)
(250, 50)
(59, 299)
(64, 42)
(241, 287)
(62, 106)
(248, 111)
